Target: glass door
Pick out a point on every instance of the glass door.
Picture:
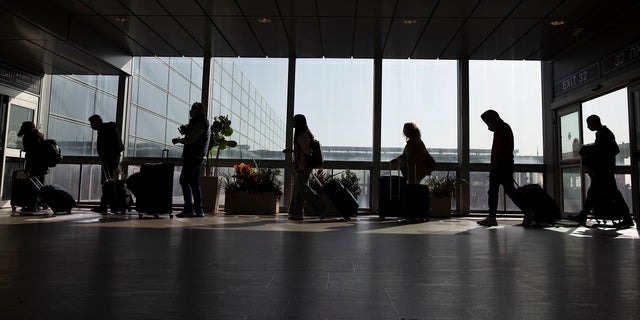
(14, 112)
(570, 141)
(634, 102)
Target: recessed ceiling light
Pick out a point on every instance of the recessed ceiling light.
(264, 20)
(556, 23)
(120, 19)
(409, 21)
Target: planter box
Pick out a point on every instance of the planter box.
(252, 202)
(210, 191)
(440, 207)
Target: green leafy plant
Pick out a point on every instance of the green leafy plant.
(444, 186)
(220, 130)
(252, 179)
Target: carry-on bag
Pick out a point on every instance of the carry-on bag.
(417, 202)
(346, 204)
(391, 196)
(153, 187)
(115, 193)
(24, 193)
(58, 199)
(537, 205)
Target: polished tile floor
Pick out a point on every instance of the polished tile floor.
(84, 266)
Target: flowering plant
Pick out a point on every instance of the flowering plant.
(254, 179)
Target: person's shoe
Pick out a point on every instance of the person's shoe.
(186, 214)
(488, 222)
(296, 217)
(101, 210)
(580, 218)
(625, 224)
(198, 213)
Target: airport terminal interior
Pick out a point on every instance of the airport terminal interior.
(358, 71)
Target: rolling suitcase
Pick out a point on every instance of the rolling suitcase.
(417, 202)
(341, 198)
(153, 187)
(390, 200)
(537, 205)
(58, 199)
(23, 191)
(116, 194)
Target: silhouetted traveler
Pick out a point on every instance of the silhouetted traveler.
(109, 146)
(302, 192)
(415, 161)
(196, 143)
(600, 160)
(35, 165)
(501, 172)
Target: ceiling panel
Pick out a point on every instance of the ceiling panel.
(402, 38)
(305, 34)
(416, 9)
(302, 28)
(435, 38)
(509, 32)
(212, 41)
(174, 34)
(271, 36)
(181, 8)
(470, 36)
(370, 34)
(239, 35)
(337, 36)
(300, 8)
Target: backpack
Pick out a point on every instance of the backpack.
(51, 153)
(315, 159)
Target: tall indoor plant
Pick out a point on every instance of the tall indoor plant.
(210, 183)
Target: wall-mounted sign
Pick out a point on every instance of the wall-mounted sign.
(19, 80)
(576, 79)
(621, 58)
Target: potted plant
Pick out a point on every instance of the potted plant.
(442, 189)
(252, 190)
(210, 184)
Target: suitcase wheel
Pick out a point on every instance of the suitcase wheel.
(139, 215)
(170, 215)
(13, 208)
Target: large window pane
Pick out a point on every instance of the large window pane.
(513, 89)
(73, 138)
(259, 128)
(424, 92)
(336, 96)
(613, 112)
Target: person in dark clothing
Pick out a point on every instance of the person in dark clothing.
(109, 146)
(600, 160)
(501, 172)
(32, 140)
(302, 192)
(196, 145)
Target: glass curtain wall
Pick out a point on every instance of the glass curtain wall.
(514, 90)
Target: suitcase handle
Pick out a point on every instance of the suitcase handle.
(165, 155)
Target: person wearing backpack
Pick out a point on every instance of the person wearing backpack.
(109, 146)
(302, 166)
(34, 161)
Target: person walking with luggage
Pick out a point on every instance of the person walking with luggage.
(600, 160)
(302, 192)
(109, 146)
(196, 145)
(32, 140)
(415, 161)
(501, 172)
